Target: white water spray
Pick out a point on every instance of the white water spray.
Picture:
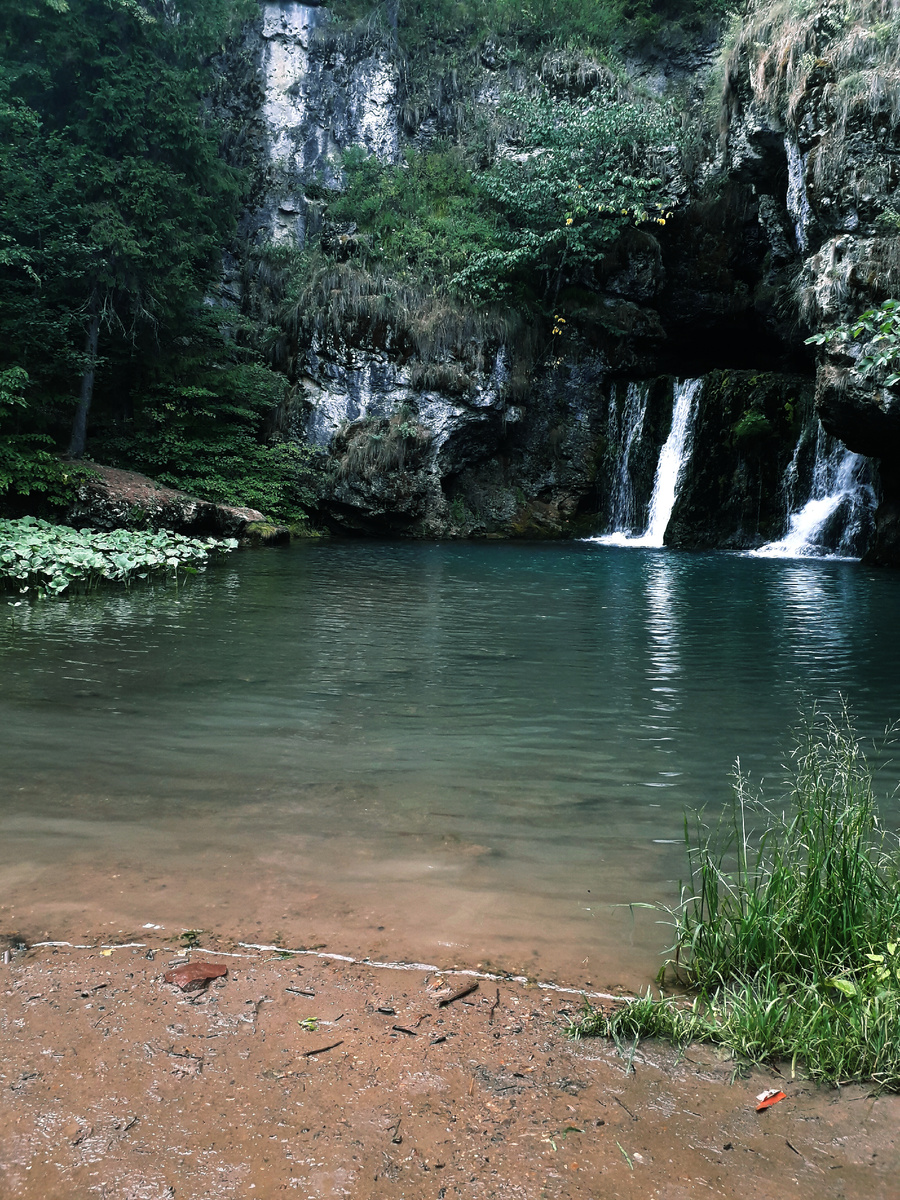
(673, 458)
(817, 529)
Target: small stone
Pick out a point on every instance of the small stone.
(191, 977)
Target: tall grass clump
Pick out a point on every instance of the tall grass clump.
(789, 932)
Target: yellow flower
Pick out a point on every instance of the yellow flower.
(568, 220)
(661, 220)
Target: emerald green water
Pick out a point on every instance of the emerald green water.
(449, 752)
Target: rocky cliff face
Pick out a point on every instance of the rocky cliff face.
(771, 241)
(317, 96)
(812, 120)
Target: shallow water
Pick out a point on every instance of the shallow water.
(451, 752)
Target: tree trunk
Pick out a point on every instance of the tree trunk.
(79, 425)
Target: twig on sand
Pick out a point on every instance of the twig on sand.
(458, 994)
(322, 1049)
(494, 1008)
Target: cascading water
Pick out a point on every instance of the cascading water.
(836, 518)
(669, 470)
(624, 433)
(797, 199)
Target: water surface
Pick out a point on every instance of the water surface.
(452, 752)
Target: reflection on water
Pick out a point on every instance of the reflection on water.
(468, 751)
(664, 660)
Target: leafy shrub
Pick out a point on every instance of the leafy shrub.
(208, 439)
(46, 559)
(580, 175)
(879, 328)
(27, 466)
(421, 219)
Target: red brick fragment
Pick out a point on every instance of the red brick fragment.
(191, 977)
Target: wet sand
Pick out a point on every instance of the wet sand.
(114, 1084)
(247, 873)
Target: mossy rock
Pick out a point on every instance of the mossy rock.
(265, 533)
(302, 529)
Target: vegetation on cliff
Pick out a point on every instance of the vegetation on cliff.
(438, 28)
(496, 228)
(790, 930)
(828, 74)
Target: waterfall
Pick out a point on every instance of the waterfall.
(673, 459)
(797, 199)
(624, 433)
(836, 517)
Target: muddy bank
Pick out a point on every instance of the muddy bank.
(314, 1077)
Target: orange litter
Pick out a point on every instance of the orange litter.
(767, 1099)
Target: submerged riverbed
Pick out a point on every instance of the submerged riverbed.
(456, 753)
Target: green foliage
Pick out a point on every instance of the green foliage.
(879, 329)
(753, 427)
(207, 436)
(811, 892)
(46, 559)
(27, 466)
(116, 199)
(578, 178)
(789, 933)
(421, 219)
(888, 221)
(534, 24)
(531, 222)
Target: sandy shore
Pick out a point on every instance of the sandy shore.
(114, 1084)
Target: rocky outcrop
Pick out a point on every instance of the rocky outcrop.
(108, 498)
(745, 433)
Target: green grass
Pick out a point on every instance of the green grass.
(789, 934)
